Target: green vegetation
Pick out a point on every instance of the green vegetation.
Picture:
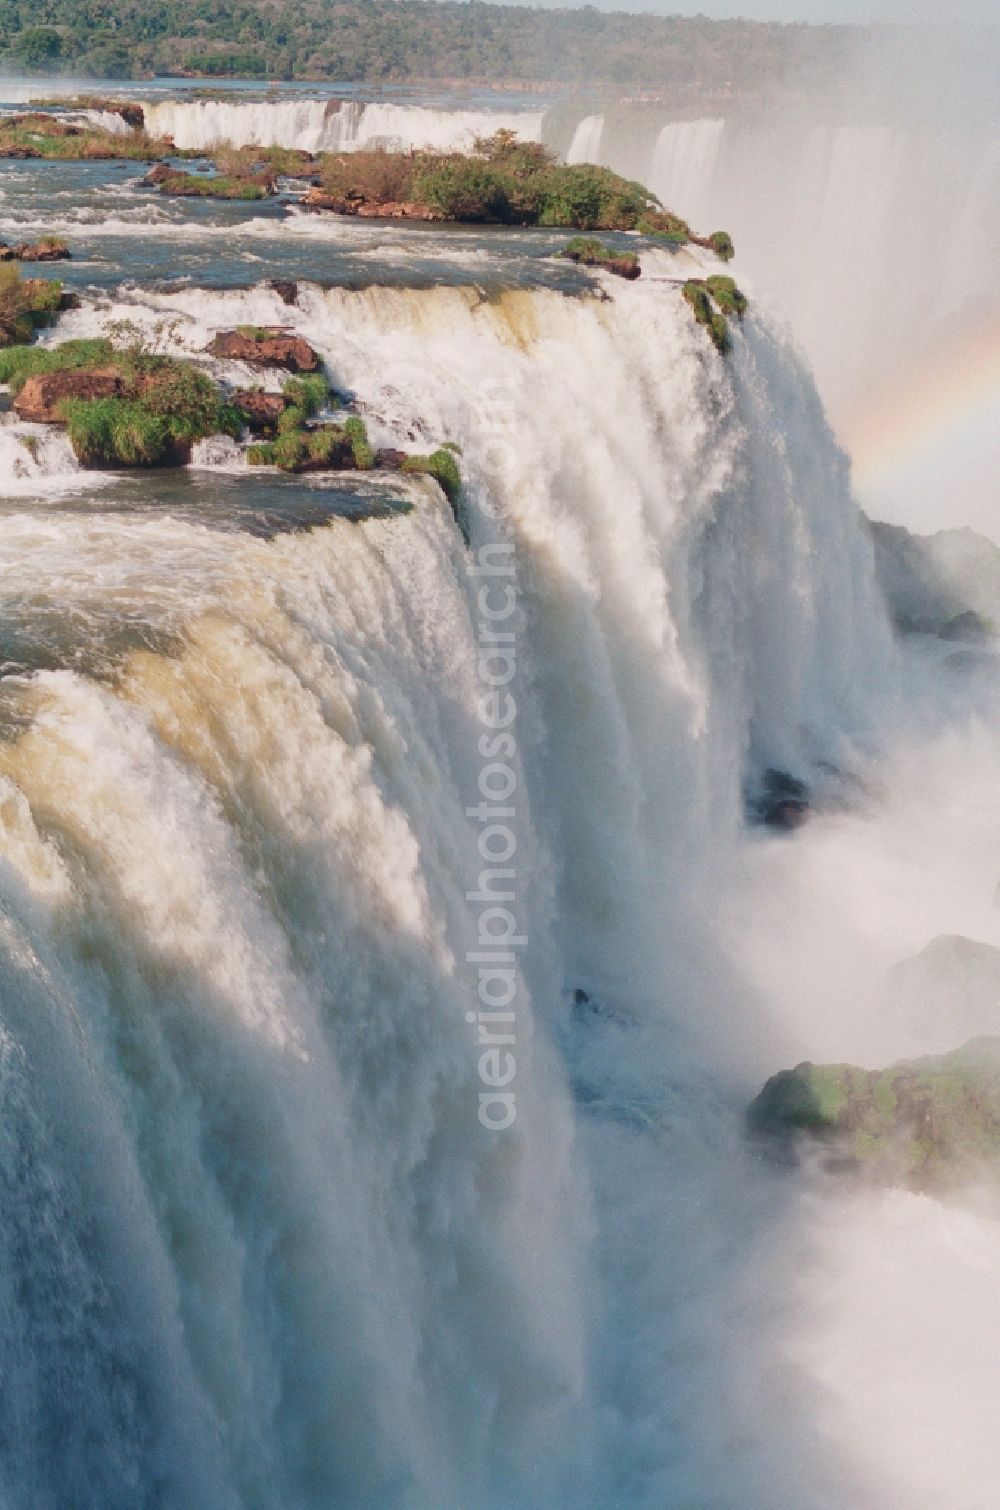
(503, 181)
(666, 226)
(925, 1123)
(357, 433)
(721, 243)
(165, 404)
(442, 466)
(26, 304)
(214, 186)
(19, 363)
(114, 432)
(727, 296)
(36, 135)
(715, 323)
(45, 248)
(728, 300)
(307, 393)
(589, 252)
(663, 225)
(392, 40)
(298, 450)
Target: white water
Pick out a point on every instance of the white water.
(32, 453)
(330, 126)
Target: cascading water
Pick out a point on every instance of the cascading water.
(257, 1248)
(586, 144)
(683, 166)
(329, 126)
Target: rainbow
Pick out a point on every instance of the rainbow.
(915, 420)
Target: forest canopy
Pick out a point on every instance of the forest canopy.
(397, 40)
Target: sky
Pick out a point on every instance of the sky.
(970, 11)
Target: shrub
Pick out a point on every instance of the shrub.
(505, 149)
(326, 445)
(503, 180)
(182, 395)
(384, 177)
(290, 452)
(46, 138)
(464, 188)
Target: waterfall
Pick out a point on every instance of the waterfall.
(104, 120)
(263, 1252)
(330, 125)
(30, 454)
(586, 144)
(685, 155)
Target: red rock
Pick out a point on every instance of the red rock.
(368, 209)
(156, 175)
(41, 251)
(41, 396)
(273, 348)
(259, 411)
(389, 459)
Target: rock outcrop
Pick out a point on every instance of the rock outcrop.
(969, 628)
(41, 396)
(929, 1124)
(587, 251)
(286, 290)
(267, 347)
(34, 251)
(779, 800)
(368, 209)
(259, 411)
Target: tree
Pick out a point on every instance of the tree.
(37, 49)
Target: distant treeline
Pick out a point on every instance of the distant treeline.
(398, 40)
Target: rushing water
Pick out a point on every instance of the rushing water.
(258, 1249)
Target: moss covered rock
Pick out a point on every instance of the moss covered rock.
(587, 251)
(730, 299)
(928, 1124)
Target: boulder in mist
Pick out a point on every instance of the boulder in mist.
(929, 1124)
